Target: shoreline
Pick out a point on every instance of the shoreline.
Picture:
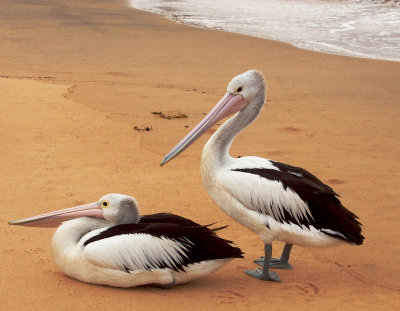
(206, 19)
(77, 78)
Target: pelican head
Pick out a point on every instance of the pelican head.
(119, 208)
(245, 94)
(250, 85)
(115, 208)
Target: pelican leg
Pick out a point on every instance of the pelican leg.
(264, 273)
(278, 263)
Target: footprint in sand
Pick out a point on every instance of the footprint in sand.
(308, 291)
(276, 153)
(335, 181)
(229, 296)
(292, 129)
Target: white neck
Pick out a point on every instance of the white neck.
(68, 235)
(216, 150)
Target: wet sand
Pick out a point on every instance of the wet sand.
(79, 81)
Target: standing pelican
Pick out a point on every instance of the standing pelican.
(112, 247)
(275, 200)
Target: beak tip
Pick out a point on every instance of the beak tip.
(163, 162)
(12, 222)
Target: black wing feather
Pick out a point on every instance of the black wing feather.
(325, 207)
(167, 218)
(204, 243)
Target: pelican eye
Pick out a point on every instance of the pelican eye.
(239, 89)
(105, 204)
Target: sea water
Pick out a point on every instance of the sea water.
(360, 28)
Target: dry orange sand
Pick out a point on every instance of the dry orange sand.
(77, 77)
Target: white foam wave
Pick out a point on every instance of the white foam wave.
(360, 28)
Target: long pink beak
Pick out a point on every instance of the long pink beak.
(53, 219)
(229, 104)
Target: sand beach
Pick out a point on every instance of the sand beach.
(79, 85)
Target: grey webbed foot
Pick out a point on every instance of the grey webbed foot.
(264, 273)
(268, 276)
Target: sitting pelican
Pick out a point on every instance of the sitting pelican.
(275, 200)
(115, 246)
